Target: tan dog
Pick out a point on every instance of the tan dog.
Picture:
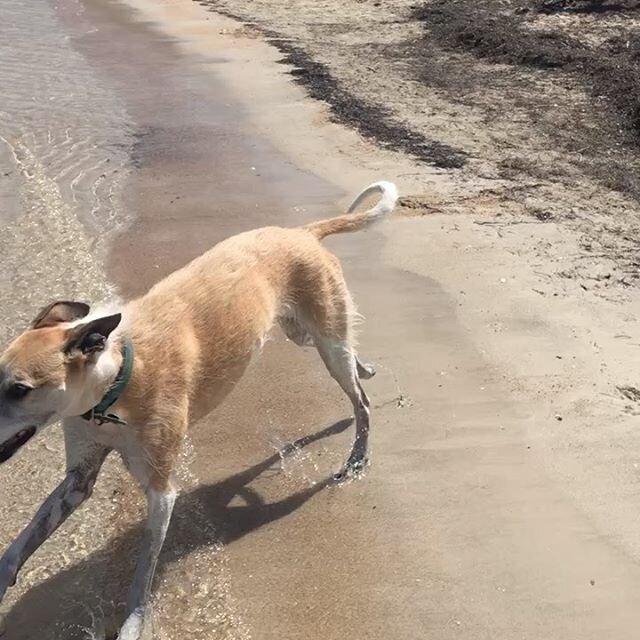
(169, 358)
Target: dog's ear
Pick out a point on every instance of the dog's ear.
(91, 337)
(61, 311)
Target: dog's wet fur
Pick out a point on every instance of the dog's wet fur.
(193, 335)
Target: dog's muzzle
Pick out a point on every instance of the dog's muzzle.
(10, 446)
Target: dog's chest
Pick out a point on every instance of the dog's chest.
(111, 435)
(122, 438)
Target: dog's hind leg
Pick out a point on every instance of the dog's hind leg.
(294, 329)
(340, 359)
(83, 464)
(366, 371)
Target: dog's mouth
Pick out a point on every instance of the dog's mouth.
(10, 446)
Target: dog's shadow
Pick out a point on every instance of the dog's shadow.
(102, 578)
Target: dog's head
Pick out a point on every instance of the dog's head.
(49, 372)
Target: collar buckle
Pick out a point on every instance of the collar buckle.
(108, 418)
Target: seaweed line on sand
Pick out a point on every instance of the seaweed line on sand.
(371, 121)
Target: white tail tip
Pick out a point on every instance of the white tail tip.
(387, 202)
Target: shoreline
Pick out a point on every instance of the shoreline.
(514, 262)
(501, 496)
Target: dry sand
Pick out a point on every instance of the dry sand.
(502, 499)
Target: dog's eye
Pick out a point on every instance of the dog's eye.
(18, 390)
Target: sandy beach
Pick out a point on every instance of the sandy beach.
(498, 306)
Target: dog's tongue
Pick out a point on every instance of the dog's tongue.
(10, 446)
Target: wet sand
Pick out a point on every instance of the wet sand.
(463, 527)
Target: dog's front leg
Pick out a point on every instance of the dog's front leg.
(63, 501)
(160, 506)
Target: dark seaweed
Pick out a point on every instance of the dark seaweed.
(611, 70)
(370, 120)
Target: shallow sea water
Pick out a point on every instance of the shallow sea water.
(66, 142)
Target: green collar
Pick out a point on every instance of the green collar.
(99, 413)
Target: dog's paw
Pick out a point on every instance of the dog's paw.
(353, 470)
(133, 627)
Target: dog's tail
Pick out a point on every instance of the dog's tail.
(355, 221)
